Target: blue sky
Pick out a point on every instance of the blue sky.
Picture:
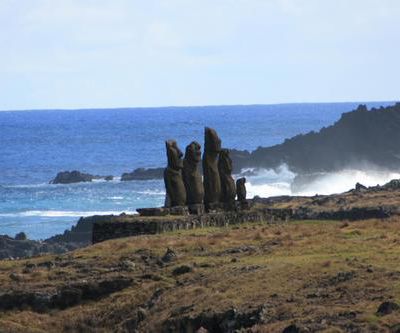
(117, 53)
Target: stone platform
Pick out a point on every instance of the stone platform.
(134, 225)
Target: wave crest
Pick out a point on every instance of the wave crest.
(282, 181)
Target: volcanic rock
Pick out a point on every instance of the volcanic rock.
(211, 180)
(228, 188)
(173, 179)
(191, 174)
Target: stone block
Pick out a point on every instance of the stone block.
(197, 209)
(159, 211)
(179, 210)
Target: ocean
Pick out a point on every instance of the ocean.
(36, 145)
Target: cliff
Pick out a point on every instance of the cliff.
(357, 139)
(360, 138)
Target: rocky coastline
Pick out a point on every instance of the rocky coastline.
(359, 138)
(359, 203)
(80, 235)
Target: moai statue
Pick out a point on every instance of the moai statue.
(175, 188)
(211, 181)
(192, 178)
(241, 193)
(241, 189)
(228, 189)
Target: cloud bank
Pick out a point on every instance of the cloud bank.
(74, 53)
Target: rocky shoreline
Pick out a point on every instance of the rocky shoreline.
(80, 235)
(346, 143)
(360, 203)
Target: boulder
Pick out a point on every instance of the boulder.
(360, 187)
(387, 308)
(182, 270)
(293, 328)
(21, 236)
(169, 256)
(143, 174)
(68, 177)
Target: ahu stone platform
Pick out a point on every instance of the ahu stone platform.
(109, 227)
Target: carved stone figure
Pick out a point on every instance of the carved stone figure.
(191, 174)
(241, 189)
(212, 182)
(176, 192)
(228, 189)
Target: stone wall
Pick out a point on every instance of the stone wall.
(112, 226)
(124, 227)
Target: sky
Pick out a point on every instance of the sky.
(134, 53)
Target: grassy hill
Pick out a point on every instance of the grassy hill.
(321, 276)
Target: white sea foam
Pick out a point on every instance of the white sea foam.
(62, 213)
(151, 192)
(282, 181)
(26, 185)
(345, 180)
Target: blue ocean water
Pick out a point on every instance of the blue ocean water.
(35, 145)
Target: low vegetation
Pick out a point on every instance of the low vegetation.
(325, 276)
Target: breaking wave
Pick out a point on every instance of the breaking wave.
(282, 181)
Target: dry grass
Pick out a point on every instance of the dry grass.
(291, 267)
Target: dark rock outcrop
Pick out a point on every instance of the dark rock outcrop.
(360, 137)
(173, 179)
(228, 189)
(191, 174)
(168, 256)
(293, 328)
(21, 236)
(143, 174)
(63, 298)
(360, 187)
(212, 181)
(182, 270)
(231, 320)
(80, 235)
(394, 184)
(387, 308)
(11, 248)
(68, 177)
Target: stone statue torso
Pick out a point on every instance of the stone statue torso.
(212, 182)
(191, 174)
(173, 179)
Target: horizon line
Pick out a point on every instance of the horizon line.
(188, 106)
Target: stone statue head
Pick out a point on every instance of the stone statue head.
(241, 181)
(174, 155)
(193, 152)
(212, 140)
(225, 162)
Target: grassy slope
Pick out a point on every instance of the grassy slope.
(292, 268)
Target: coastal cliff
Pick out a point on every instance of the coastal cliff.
(359, 138)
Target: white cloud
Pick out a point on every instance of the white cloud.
(87, 53)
